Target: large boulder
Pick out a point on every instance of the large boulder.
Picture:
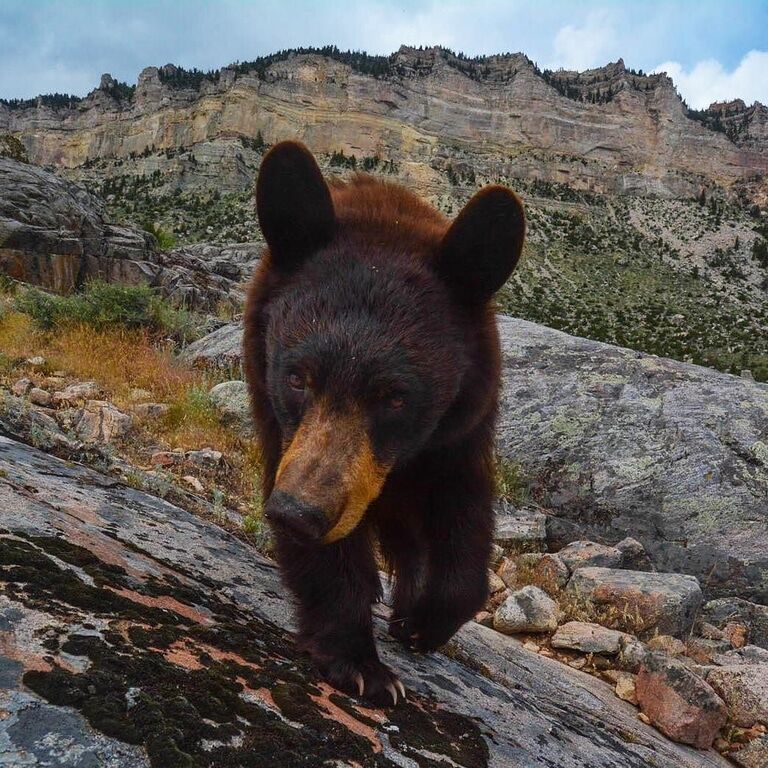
(133, 633)
(57, 235)
(618, 443)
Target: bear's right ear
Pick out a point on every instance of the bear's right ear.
(293, 204)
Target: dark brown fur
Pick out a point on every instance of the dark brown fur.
(415, 289)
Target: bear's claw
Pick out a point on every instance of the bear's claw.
(370, 679)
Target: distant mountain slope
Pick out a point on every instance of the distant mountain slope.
(609, 130)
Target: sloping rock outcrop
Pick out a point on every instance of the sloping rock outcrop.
(57, 235)
(138, 634)
(617, 443)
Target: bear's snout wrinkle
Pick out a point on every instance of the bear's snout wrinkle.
(329, 465)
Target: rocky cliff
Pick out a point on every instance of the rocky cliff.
(608, 130)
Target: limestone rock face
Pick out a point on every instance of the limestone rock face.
(607, 129)
(134, 630)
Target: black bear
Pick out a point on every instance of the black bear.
(372, 359)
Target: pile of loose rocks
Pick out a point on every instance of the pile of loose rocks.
(696, 670)
(76, 420)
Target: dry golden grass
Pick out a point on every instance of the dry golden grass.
(121, 361)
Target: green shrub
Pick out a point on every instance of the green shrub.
(102, 306)
(165, 240)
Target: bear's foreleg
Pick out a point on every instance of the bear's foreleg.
(458, 535)
(335, 586)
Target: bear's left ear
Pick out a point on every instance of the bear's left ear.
(293, 204)
(482, 246)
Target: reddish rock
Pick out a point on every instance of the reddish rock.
(546, 571)
(680, 704)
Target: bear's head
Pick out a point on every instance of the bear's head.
(373, 353)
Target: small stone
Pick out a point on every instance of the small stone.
(711, 632)
(736, 634)
(744, 687)
(546, 571)
(587, 638)
(151, 411)
(232, 400)
(166, 458)
(39, 397)
(206, 458)
(678, 703)
(22, 387)
(625, 688)
(495, 583)
(632, 654)
(485, 618)
(36, 362)
(101, 422)
(753, 755)
(192, 481)
(668, 602)
(75, 394)
(521, 530)
(667, 644)
(507, 572)
(497, 555)
(582, 554)
(633, 555)
(140, 395)
(749, 654)
(527, 610)
(703, 651)
(644, 718)
(529, 645)
(579, 663)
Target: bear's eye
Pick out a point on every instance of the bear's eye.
(395, 402)
(297, 381)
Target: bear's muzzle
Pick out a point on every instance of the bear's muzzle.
(328, 469)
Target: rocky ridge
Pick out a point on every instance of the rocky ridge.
(607, 130)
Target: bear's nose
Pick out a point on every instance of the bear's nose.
(302, 520)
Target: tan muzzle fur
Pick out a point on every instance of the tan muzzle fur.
(329, 464)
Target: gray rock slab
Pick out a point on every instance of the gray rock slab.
(618, 443)
(124, 583)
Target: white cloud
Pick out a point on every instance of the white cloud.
(708, 81)
(586, 46)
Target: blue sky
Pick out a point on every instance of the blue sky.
(714, 50)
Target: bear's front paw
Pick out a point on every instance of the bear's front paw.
(370, 679)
